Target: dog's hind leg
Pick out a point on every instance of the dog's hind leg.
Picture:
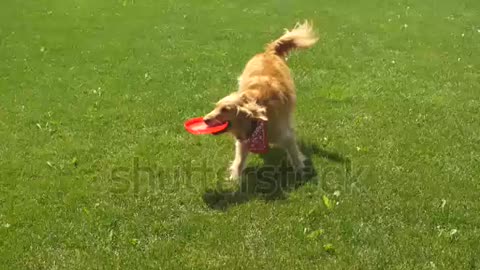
(238, 164)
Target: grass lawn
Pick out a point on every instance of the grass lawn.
(97, 172)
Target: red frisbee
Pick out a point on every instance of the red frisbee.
(197, 126)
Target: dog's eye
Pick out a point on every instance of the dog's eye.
(223, 110)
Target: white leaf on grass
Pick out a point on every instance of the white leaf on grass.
(444, 202)
(327, 202)
(315, 234)
(329, 248)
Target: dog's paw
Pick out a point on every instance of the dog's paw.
(299, 164)
(234, 174)
(236, 170)
(233, 178)
(302, 158)
(300, 168)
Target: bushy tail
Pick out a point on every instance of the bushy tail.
(301, 36)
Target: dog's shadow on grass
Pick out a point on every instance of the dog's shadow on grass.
(271, 181)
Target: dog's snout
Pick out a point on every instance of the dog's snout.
(211, 121)
(208, 121)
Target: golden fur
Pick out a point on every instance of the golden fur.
(265, 92)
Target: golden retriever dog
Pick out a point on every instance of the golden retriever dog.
(266, 92)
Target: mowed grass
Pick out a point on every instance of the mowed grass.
(96, 171)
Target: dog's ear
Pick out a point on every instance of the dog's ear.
(248, 104)
(260, 113)
(253, 110)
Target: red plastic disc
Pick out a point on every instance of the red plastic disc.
(197, 126)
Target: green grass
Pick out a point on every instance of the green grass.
(389, 111)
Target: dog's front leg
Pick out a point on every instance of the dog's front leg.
(296, 157)
(238, 164)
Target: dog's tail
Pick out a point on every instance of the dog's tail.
(301, 36)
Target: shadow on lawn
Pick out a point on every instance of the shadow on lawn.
(272, 180)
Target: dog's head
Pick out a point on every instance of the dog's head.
(239, 111)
